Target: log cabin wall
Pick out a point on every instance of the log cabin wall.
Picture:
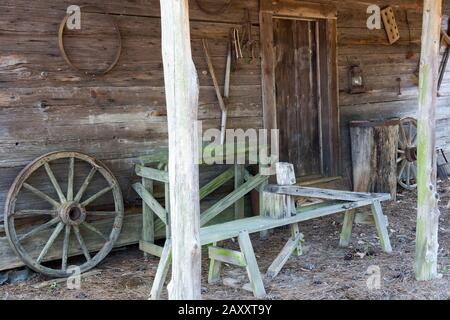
(45, 106)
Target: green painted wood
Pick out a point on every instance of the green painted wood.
(252, 265)
(227, 256)
(161, 273)
(295, 232)
(230, 199)
(326, 193)
(215, 267)
(152, 174)
(239, 180)
(381, 225)
(216, 183)
(278, 264)
(151, 248)
(150, 201)
(232, 229)
(148, 216)
(347, 228)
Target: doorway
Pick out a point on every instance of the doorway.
(300, 91)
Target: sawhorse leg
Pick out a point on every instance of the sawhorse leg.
(381, 225)
(252, 265)
(161, 273)
(292, 246)
(215, 267)
(347, 228)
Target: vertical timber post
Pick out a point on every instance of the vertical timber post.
(427, 206)
(182, 90)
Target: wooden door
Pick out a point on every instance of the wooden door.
(299, 83)
(297, 94)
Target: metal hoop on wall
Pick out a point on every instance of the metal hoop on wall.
(66, 57)
(222, 9)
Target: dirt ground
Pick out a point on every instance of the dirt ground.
(325, 271)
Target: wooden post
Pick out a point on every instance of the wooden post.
(427, 207)
(181, 85)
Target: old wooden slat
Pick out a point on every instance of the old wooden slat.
(216, 183)
(278, 264)
(239, 180)
(163, 270)
(151, 202)
(326, 193)
(251, 264)
(152, 174)
(227, 256)
(231, 199)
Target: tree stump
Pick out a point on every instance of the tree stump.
(374, 156)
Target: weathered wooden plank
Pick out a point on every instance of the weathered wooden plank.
(239, 207)
(161, 273)
(251, 265)
(283, 257)
(227, 256)
(347, 227)
(230, 199)
(150, 248)
(326, 193)
(216, 183)
(151, 201)
(228, 230)
(381, 225)
(152, 174)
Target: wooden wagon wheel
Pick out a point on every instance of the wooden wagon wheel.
(407, 154)
(65, 217)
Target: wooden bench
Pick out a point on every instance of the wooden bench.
(334, 202)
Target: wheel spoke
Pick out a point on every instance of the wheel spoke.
(410, 134)
(41, 195)
(50, 242)
(32, 213)
(65, 253)
(94, 230)
(55, 183)
(414, 171)
(85, 185)
(102, 213)
(408, 175)
(400, 159)
(96, 196)
(402, 169)
(41, 228)
(82, 244)
(70, 179)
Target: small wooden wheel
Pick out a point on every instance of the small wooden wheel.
(33, 227)
(407, 154)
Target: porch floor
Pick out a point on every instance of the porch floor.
(325, 271)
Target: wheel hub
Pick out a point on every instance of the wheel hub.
(411, 154)
(72, 213)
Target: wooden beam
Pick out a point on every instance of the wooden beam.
(427, 206)
(182, 90)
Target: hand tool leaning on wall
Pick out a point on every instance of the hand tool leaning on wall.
(226, 91)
